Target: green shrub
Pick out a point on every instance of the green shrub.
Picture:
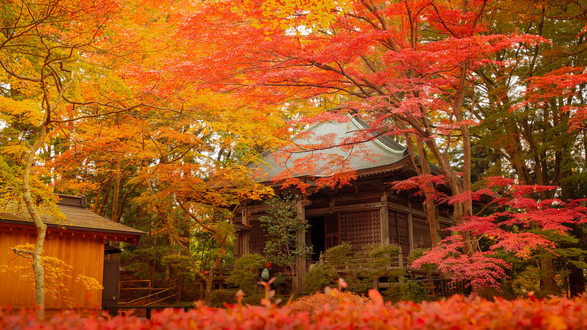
(418, 291)
(244, 274)
(361, 267)
(253, 299)
(342, 258)
(320, 276)
(220, 297)
(418, 253)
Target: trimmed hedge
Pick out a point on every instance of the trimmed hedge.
(457, 312)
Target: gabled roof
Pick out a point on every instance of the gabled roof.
(376, 153)
(77, 217)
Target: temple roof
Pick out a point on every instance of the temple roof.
(321, 144)
(77, 216)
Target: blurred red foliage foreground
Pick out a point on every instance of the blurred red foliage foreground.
(457, 312)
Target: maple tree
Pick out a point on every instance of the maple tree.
(204, 203)
(406, 68)
(440, 76)
(520, 224)
(530, 124)
(54, 57)
(145, 152)
(165, 104)
(182, 169)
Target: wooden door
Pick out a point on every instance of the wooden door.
(110, 282)
(331, 230)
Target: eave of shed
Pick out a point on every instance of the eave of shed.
(77, 217)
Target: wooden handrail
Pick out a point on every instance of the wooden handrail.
(395, 262)
(152, 289)
(156, 301)
(139, 299)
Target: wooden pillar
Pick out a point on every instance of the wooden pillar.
(410, 229)
(300, 274)
(246, 235)
(384, 221)
(237, 250)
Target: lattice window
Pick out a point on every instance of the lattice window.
(360, 228)
(258, 238)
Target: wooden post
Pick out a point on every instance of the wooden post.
(245, 234)
(384, 221)
(300, 274)
(410, 228)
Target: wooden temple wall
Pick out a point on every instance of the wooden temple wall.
(360, 228)
(84, 254)
(390, 221)
(360, 219)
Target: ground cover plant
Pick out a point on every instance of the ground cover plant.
(344, 311)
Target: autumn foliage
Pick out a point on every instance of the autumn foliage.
(519, 224)
(153, 109)
(457, 312)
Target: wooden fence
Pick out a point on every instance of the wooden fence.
(151, 293)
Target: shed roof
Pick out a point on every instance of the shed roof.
(375, 152)
(77, 216)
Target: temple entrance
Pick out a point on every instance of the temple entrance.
(324, 233)
(317, 236)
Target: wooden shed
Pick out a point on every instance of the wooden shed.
(364, 212)
(79, 240)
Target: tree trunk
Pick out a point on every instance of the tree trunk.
(547, 282)
(38, 269)
(461, 209)
(104, 202)
(180, 280)
(115, 216)
(99, 193)
(221, 255)
(208, 291)
(424, 168)
(430, 209)
(576, 281)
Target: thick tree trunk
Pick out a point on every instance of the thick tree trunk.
(547, 282)
(461, 209)
(430, 209)
(576, 281)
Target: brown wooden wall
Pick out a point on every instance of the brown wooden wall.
(421, 230)
(399, 230)
(84, 254)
